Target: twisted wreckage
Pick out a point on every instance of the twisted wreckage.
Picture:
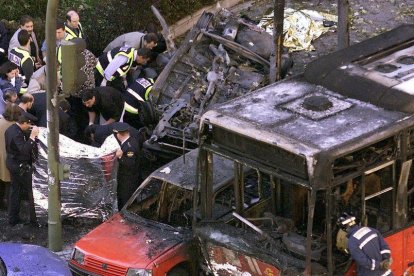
(338, 138)
(222, 57)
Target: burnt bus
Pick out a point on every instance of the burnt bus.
(339, 138)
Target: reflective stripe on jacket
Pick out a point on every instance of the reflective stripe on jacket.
(70, 34)
(19, 56)
(137, 93)
(368, 248)
(105, 59)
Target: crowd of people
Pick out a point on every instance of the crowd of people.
(123, 76)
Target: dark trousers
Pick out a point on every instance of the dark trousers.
(127, 184)
(133, 120)
(4, 193)
(79, 114)
(117, 83)
(19, 183)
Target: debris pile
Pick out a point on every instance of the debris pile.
(221, 58)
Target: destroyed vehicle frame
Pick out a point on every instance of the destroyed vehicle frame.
(152, 233)
(324, 151)
(209, 67)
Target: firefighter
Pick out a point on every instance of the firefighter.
(129, 172)
(367, 247)
(138, 107)
(112, 67)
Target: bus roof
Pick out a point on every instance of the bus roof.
(281, 115)
(344, 101)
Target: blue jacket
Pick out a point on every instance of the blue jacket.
(6, 85)
(368, 248)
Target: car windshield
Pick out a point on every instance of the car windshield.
(163, 202)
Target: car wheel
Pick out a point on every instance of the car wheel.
(179, 271)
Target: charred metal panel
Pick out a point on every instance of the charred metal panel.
(367, 157)
(318, 106)
(263, 115)
(230, 249)
(208, 69)
(182, 171)
(365, 71)
(410, 136)
(277, 127)
(270, 155)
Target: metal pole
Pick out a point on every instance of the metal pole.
(343, 24)
(54, 220)
(276, 58)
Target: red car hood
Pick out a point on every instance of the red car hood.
(129, 243)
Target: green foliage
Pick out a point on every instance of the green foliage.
(13, 10)
(103, 20)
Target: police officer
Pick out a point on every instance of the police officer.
(138, 108)
(73, 27)
(112, 67)
(97, 134)
(129, 173)
(21, 152)
(367, 247)
(21, 56)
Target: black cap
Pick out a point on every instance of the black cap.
(26, 117)
(120, 127)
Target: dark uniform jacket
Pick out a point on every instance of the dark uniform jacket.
(129, 173)
(22, 58)
(72, 33)
(140, 89)
(101, 132)
(137, 93)
(67, 126)
(138, 111)
(39, 108)
(368, 248)
(105, 59)
(20, 149)
(109, 102)
(129, 162)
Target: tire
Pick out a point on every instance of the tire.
(179, 271)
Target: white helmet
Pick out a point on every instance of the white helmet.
(346, 220)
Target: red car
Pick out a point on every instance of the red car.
(151, 235)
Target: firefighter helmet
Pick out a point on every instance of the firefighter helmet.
(346, 220)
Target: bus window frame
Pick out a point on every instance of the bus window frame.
(391, 188)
